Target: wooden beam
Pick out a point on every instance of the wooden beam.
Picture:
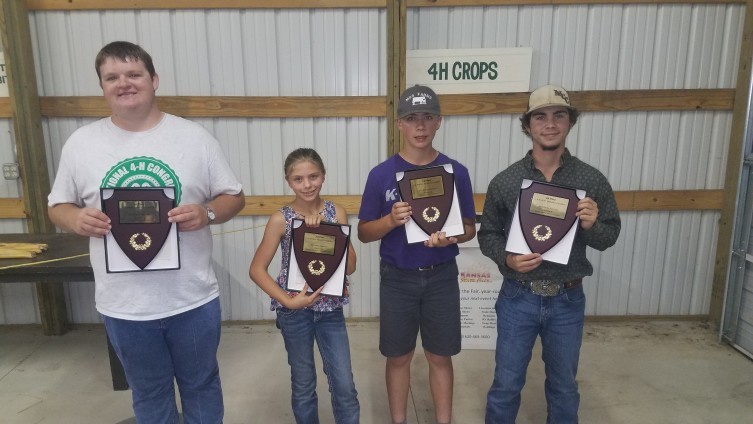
(27, 121)
(12, 208)
(369, 106)
(472, 3)
(30, 147)
(634, 201)
(319, 4)
(594, 101)
(653, 100)
(732, 175)
(669, 200)
(200, 4)
(398, 14)
(228, 106)
(267, 205)
(627, 201)
(5, 111)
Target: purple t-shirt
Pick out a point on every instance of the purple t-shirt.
(381, 193)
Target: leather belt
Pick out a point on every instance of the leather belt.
(549, 288)
(430, 267)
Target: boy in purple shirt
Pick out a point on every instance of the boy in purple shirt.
(419, 281)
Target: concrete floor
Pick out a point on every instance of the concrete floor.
(634, 372)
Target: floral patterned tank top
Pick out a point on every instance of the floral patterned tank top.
(324, 303)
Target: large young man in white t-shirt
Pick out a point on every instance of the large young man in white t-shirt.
(164, 325)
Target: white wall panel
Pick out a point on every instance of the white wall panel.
(8, 188)
(662, 263)
(598, 47)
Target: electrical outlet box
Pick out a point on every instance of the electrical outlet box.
(11, 171)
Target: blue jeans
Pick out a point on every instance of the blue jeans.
(521, 317)
(299, 329)
(181, 347)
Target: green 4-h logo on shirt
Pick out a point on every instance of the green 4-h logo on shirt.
(142, 171)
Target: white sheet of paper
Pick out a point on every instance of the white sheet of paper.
(167, 258)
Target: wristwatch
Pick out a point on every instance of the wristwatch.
(210, 214)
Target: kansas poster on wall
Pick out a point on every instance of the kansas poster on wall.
(480, 282)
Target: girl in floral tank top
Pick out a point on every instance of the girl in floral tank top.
(303, 317)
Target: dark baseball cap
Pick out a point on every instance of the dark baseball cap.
(418, 99)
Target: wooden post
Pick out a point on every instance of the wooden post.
(27, 126)
(732, 175)
(396, 17)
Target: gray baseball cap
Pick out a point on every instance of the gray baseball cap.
(418, 99)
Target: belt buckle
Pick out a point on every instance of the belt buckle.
(547, 288)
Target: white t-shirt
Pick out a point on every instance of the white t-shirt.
(176, 152)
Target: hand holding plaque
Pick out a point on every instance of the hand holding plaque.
(318, 257)
(544, 221)
(141, 237)
(432, 195)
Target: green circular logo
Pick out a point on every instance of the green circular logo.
(142, 171)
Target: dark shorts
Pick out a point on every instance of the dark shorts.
(413, 300)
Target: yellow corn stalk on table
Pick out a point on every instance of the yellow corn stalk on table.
(13, 250)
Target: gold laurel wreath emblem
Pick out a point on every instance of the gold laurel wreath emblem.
(540, 237)
(140, 246)
(435, 215)
(315, 271)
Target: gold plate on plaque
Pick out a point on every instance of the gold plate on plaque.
(319, 243)
(422, 188)
(548, 205)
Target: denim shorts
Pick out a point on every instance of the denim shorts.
(413, 300)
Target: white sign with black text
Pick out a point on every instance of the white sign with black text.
(480, 282)
(3, 77)
(466, 71)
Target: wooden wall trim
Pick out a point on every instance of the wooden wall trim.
(12, 208)
(229, 106)
(594, 101)
(669, 200)
(319, 4)
(369, 106)
(5, 108)
(470, 3)
(200, 4)
(661, 200)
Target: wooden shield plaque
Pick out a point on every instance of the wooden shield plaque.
(139, 221)
(429, 192)
(319, 251)
(546, 212)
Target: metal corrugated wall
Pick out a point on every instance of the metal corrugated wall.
(737, 324)
(663, 262)
(314, 52)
